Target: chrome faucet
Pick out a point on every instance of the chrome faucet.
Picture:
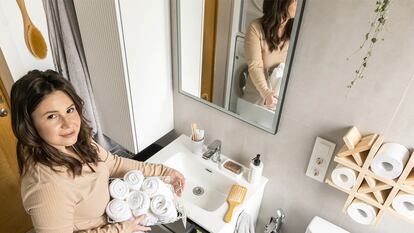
(213, 151)
(275, 223)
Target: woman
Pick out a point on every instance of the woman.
(64, 172)
(266, 46)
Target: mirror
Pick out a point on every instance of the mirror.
(230, 57)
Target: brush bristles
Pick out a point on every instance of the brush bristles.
(237, 193)
(37, 43)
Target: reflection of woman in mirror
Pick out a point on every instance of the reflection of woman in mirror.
(266, 47)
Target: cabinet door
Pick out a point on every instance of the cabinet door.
(146, 31)
(100, 32)
(13, 218)
(127, 46)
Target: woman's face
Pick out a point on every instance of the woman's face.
(57, 121)
(292, 8)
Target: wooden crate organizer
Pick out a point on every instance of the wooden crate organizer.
(357, 154)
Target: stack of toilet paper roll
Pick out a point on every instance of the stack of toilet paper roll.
(362, 212)
(390, 160)
(403, 204)
(344, 177)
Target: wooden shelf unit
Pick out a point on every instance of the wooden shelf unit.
(357, 153)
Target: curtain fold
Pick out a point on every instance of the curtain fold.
(69, 58)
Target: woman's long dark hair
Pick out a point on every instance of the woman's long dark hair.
(26, 94)
(274, 13)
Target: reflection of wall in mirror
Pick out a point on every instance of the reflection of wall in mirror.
(239, 75)
(251, 9)
(191, 35)
(192, 16)
(222, 47)
(234, 31)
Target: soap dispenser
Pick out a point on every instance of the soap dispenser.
(256, 170)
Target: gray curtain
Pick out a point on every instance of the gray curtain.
(69, 57)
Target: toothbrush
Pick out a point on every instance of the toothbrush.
(193, 131)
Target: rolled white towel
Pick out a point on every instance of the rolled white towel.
(149, 220)
(118, 189)
(163, 208)
(275, 78)
(139, 212)
(153, 186)
(118, 210)
(134, 179)
(138, 201)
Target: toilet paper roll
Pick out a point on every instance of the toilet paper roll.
(390, 160)
(403, 203)
(344, 177)
(361, 212)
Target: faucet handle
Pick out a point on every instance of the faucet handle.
(215, 145)
(280, 214)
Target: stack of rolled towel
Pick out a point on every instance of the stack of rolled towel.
(136, 195)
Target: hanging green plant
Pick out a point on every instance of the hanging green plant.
(371, 37)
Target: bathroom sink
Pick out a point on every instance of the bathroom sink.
(205, 186)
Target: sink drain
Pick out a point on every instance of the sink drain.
(198, 191)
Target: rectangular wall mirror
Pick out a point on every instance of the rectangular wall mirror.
(230, 56)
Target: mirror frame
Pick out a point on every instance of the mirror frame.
(176, 45)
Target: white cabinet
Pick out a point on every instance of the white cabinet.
(127, 45)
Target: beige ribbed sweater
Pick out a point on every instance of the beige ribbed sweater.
(58, 203)
(260, 62)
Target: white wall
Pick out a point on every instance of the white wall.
(319, 104)
(12, 43)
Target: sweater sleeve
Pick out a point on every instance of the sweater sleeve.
(51, 207)
(118, 165)
(254, 60)
(125, 227)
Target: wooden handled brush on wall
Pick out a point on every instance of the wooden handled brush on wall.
(32, 36)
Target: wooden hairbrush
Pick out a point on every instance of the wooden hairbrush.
(236, 197)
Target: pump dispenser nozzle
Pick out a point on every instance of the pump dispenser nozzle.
(256, 160)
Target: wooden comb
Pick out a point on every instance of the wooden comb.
(236, 197)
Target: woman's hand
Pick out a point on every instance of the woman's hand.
(177, 180)
(137, 224)
(271, 100)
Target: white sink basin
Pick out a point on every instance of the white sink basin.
(204, 177)
(208, 209)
